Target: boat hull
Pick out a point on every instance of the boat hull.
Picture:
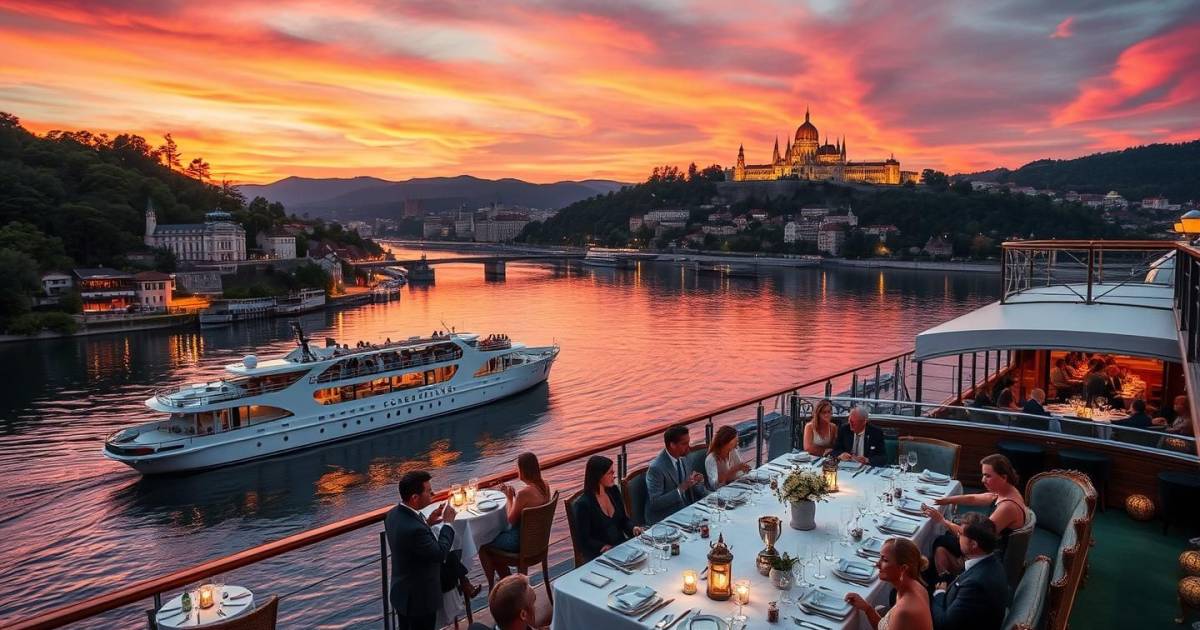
(292, 434)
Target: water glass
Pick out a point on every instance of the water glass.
(664, 554)
(912, 461)
(472, 490)
(651, 560)
(816, 564)
(829, 551)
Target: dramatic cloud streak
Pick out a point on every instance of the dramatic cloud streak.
(579, 88)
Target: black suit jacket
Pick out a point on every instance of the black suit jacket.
(1034, 408)
(595, 530)
(975, 600)
(417, 557)
(873, 447)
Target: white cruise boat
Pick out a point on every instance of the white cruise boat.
(618, 258)
(225, 312)
(307, 300)
(316, 395)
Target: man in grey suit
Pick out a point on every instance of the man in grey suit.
(417, 554)
(671, 485)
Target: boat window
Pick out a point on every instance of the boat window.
(499, 364)
(356, 366)
(384, 385)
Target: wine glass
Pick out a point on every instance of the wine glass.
(815, 562)
(847, 526)
(651, 559)
(803, 559)
(912, 461)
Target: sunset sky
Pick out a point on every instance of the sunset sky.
(546, 91)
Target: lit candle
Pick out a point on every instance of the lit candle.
(720, 580)
(689, 582)
(206, 596)
(741, 592)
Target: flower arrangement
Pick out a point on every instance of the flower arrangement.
(803, 485)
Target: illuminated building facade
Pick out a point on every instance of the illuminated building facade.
(806, 158)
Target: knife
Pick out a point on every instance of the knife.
(804, 623)
(661, 605)
(677, 619)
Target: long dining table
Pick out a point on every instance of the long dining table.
(580, 604)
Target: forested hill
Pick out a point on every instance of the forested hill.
(1169, 170)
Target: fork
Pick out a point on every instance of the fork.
(662, 623)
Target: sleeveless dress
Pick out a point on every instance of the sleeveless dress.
(510, 539)
(822, 441)
(949, 542)
(884, 621)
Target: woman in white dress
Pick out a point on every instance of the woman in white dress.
(820, 432)
(722, 464)
(900, 564)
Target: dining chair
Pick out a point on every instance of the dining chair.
(536, 523)
(933, 454)
(635, 495)
(569, 507)
(261, 618)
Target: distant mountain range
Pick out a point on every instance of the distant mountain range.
(371, 197)
(1137, 172)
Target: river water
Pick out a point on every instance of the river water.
(642, 345)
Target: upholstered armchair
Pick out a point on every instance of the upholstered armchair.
(936, 455)
(1064, 501)
(1029, 598)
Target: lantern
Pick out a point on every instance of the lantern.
(830, 471)
(689, 582)
(206, 596)
(1189, 595)
(720, 571)
(1140, 507)
(1189, 562)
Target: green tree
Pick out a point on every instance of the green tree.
(17, 283)
(47, 251)
(169, 151)
(935, 180)
(198, 169)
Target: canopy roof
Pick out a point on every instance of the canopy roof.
(1134, 319)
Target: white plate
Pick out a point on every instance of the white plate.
(487, 505)
(828, 602)
(912, 506)
(932, 477)
(624, 556)
(663, 532)
(856, 569)
(631, 599)
(899, 525)
(801, 457)
(705, 622)
(872, 545)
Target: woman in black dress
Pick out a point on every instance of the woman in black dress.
(600, 512)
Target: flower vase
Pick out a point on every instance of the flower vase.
(804, 515)
(781, 579)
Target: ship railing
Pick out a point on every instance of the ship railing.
(171, 396)
(372, 365)
(1092, 272)
(360, 539)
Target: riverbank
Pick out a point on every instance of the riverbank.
(914, 265)
(108, 325)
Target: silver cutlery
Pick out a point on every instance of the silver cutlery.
(804, 623)
(661, 622)
(677, 619)
(613, 566)
(167, 610)
(220, 613)
(820, 613)
(241, 596)
(860, 471)
(663, 604)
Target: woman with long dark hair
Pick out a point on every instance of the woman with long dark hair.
(722, 465)
(535, 492)
(600, 519)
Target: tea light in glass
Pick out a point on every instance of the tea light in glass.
(689, 582)
(206, 596)
(472, 489)
(457, 496)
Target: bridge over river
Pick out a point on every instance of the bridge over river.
(420, 269)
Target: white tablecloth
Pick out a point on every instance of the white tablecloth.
(233, 601)
(473, 528)
(580, 605)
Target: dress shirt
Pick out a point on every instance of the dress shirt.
(859, 441)
(966, 567)
(681, 470)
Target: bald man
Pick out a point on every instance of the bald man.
(857, 440)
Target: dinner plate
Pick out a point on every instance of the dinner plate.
(827, 602)
(487, 505)
(855, 569)
(872, 546)
(663, 532)
(801, 457)
(849, 465)
(929, 476)
(705, 622)
(900, 526)
(910, 506)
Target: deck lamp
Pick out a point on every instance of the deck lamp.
(1189, 223)
(830, 471)
(720, 571)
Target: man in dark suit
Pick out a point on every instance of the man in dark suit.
(1139, 419)
(859, 441)
(513, 604)
(417, 553)
(671, 485)
(1033, 406)
(977, 598)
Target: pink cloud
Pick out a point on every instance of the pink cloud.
(1064, 29)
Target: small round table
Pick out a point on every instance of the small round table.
(229, 602)
(473, 528)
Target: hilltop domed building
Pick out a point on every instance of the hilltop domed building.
(805, 157)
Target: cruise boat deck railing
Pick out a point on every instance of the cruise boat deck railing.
(1087, 271)
(375, 364)
(185, 396)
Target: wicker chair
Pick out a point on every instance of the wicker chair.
(634, 494)
(569, 507)
(261, 618)
(937, 455)
(536, 523)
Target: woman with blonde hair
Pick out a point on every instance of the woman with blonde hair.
(820, 432)
(722, 465)
(900, 564)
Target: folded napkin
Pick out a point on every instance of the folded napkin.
(855, 568)
(624, 555)
(827, 602)
(632, 599)
(871, 546)
(934, 477)
(912, 506)
(802, 456)
(887, 473)
(933, 492)
(898, 526)
(662, 531)
(595, 579)
(849, 465)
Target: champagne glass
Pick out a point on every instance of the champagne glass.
(803, 559)
(815, 562)
(829, 557)
(847, 526)
(741, 590)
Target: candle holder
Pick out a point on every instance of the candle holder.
(458, 496)
(720, 571)
(206, 596)
(741, 596)
(830, 471)
(689, 582)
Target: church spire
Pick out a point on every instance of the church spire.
(806, 113)
(775, 153)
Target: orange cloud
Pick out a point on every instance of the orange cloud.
(1064, 29)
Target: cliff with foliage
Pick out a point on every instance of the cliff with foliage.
(1137, 172)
